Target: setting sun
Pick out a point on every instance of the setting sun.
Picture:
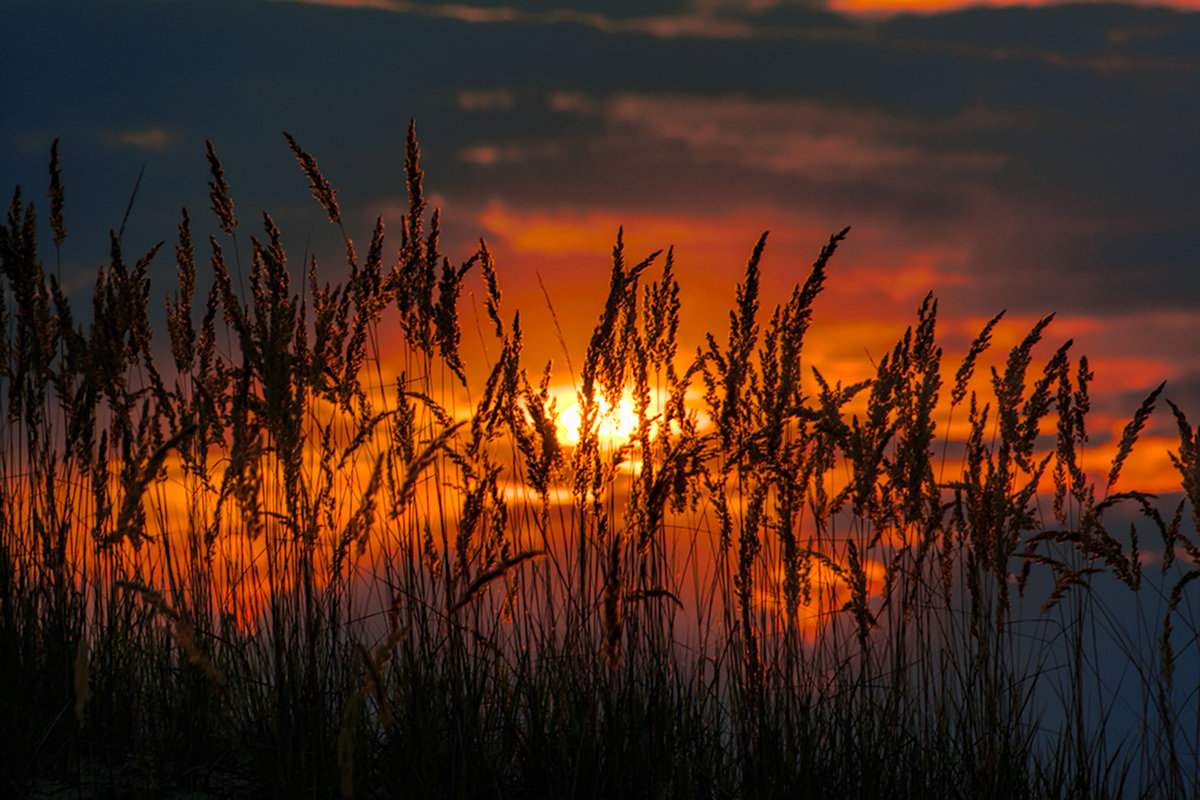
(614, 425)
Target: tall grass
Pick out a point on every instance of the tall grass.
(320, 553)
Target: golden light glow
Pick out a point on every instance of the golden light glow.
(613, 424)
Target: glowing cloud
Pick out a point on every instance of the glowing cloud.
(559, 232)
(887, 7)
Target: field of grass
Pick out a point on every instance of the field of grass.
(295, 546)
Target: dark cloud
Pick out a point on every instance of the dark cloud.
(1052, 150)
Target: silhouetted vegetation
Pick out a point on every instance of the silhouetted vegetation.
(320, 552)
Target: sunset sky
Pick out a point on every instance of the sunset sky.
(1023, 156)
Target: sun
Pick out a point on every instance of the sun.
(615, 424)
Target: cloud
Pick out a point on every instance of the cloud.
(874, 284)
(1147, 468)
(560, 232)
(706, 17)
(825, 21)
(141, 139)
(485, 100)
(753, 6)
(888, 7)
(790, 136)
(488, 155)
(916, 272)
(663, 26)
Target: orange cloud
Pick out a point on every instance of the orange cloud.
(570, 251)
(911, 275)
(941, 6)
(711, 252)
(1147, 468)
(591, 233)
(873, 288)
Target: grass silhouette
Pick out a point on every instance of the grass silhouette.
(276, 567)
